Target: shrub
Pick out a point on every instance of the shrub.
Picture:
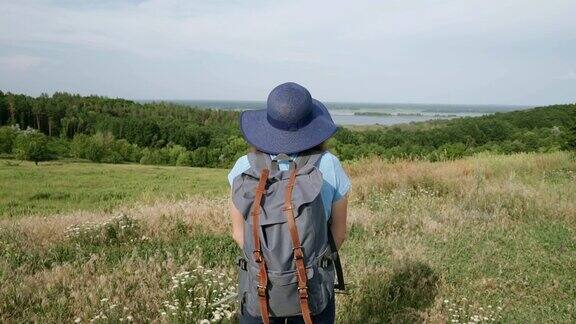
(79, 145)
(184, 159)
(100, 148)
(103, 147)
(7, 136)
(449, 151)
(570, 138)
(234, 148)
(200, 156)
(154, 157)
(58, 147)
(31, 145)
(126, 151)
(173, 152)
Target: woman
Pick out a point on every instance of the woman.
(288, 195)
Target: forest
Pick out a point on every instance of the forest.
(100, 129)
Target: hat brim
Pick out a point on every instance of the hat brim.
(259, 133)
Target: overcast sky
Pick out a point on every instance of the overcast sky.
(434, 51)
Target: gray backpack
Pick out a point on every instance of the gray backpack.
(287, 268)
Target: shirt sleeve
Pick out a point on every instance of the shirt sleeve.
(341, 180)
(240, 166)
(336, 182)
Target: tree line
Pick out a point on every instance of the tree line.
(116, 130)
(539, 129)
(109, 130)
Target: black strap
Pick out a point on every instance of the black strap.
(339, 284)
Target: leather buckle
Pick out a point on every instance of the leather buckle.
(303, 292)
(258, 257)
(261, 291)
(298, 253)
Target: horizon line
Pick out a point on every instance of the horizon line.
(352, 102)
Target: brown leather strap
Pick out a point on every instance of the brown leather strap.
(258, 255)
(298, 252)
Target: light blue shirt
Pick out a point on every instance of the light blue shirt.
(335, 186)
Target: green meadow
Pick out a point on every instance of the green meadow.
(487, 238)
(59, 187)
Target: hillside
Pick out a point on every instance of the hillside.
(487, 238)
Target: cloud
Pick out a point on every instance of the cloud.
(571, 75)
(296, 30)
(22, 63)
(473, 51)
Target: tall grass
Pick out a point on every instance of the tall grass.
(484, 239)
(497, 232)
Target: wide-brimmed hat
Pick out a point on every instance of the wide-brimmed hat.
(292, 122)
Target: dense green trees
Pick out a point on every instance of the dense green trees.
(103, 147)
(538, 129)
(117, 130)
(571, 138)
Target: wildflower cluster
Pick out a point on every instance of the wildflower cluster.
(116, 230)
(201, 295)
(400, 197)
(109, 312)
(427, 192)
(464, 312)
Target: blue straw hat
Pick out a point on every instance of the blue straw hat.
(292, 122)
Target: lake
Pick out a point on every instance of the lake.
(349, 113)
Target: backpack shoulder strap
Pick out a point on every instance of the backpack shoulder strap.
(258, 255)
(308, 159)
(259, 161)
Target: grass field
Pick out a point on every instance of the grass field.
(56, 187)
(484, 239)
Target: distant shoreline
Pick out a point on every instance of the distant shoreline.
(408, 108)
(366, 114)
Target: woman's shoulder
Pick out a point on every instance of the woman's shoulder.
(327, 155)
(330, 166)
(241, 165)
(329, 160)
(242, 160)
